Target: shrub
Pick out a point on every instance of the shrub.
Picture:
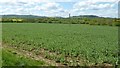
(116, 23)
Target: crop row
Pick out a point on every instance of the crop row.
(95, 44)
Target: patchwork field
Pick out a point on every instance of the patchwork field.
(63, 44)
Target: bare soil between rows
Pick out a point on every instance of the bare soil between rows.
(41, 56)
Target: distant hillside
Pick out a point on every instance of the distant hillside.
(21, 16)
(33, 16)
(86, 16)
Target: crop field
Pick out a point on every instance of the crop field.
(66, 44)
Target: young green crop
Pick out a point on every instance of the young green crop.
(96, 44)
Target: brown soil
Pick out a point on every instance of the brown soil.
(33, 56)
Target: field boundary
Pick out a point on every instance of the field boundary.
(32, 56)
(48, 62)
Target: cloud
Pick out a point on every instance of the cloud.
(42, 8)
(95, 1)
(36, 1)
(105, 9)
(87, 5)
(48, 6)
(54, 8)
(96, 7)
(51, 8)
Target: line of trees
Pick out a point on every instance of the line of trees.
(90, 21)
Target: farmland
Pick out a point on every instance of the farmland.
(68, 44)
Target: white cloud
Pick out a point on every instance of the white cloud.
(3, 1)
(100, 6)
(95, 5)
(48, 6)
(53, 8)
(95, 1)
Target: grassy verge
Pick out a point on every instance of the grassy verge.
(0, 57)
(10, 58)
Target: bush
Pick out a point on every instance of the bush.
(116, 23)
(91, 23)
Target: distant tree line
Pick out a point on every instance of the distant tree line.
(72, 20)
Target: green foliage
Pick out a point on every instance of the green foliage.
(116, 23)
(91, 43)
(72, 20)
(12, 59)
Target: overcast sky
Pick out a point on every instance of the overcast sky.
(106, 8)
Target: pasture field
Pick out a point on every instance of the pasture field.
(67, 44)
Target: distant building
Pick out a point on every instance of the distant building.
(69, 15)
